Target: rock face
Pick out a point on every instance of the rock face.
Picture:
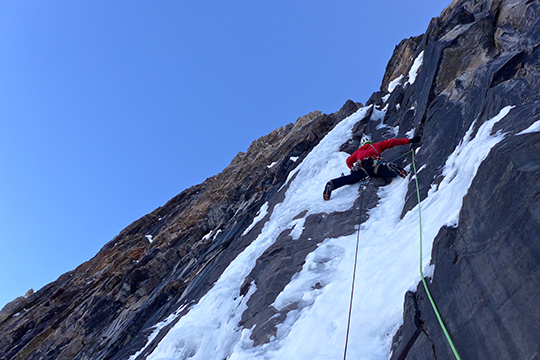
(478, 57)
(105, 308)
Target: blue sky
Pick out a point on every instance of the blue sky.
(109, 109)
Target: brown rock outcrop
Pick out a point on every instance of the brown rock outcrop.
(100, 309)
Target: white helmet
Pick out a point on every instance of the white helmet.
(366, 139)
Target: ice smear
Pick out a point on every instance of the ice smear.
(156, 331)
(260, 215)
(415, 67)
(535, 127)
(394, 83)
(388, 265)
(210, 329)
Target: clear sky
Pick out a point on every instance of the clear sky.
(110, 108)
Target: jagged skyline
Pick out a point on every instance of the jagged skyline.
(253, 263)
(102, 124)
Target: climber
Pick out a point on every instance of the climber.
(367, 162)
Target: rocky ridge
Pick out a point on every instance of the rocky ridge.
(168, 258)
(478, 57)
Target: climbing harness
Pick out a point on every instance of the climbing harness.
(357, 166)
(353, 277)
(421, 267)
(377, 162)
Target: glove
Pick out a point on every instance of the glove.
(415, 142)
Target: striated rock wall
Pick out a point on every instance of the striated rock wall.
(105, 307)
(479, 56)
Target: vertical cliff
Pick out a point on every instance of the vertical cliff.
(480, 56)
(169, 258)
(253, 264)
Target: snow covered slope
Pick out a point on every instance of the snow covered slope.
(387, 267)
(253, 264)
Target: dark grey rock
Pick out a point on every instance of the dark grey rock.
(376, 99)
(106, 307)
(486, 269)
(479, 56)
(408, 334)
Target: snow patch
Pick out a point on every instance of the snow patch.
(413, 72)
(394, 83)
(207, 236)
(297, 228)
(410, 134)
(535, 127)
(260, 215)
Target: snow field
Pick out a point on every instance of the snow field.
(209, 330)
(387, 266)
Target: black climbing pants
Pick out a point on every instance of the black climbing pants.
(356, 176)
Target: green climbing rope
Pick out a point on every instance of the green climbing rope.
(402, 156)
(421, 267)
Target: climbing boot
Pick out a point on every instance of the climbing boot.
(328, 190)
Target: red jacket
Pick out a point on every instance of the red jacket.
(370, 150)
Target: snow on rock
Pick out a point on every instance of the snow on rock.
(415, 67)
(411, 77)
(535, 127)
(388, 266)
(210, 329)
(260, 215)
(394, 83)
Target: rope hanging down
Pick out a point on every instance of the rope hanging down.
(421, 267)
(354, 276)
